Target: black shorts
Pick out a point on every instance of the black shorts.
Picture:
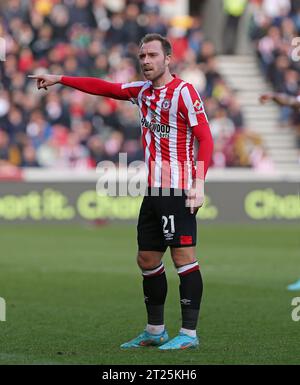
(165, 221)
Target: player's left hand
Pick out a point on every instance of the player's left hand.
(195, 196)
(264, 98)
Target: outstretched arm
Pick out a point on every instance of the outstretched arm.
(89, 85)
(280, 99)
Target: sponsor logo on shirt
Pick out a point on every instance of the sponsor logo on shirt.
(163, 130)
(198, 106)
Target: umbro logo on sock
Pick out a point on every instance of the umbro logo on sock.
(185, 301)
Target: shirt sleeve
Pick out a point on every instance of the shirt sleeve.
(192, 109)
(95, 86)
(205, 151)
(192, 106)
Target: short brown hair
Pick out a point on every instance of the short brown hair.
(166, 45)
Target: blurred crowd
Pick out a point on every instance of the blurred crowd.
(274, 25)
(63, 127)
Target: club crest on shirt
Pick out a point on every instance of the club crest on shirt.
(166, 104)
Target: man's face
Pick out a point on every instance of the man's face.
(152, 60)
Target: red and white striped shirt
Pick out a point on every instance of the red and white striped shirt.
(171, 116)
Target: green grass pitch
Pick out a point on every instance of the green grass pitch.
(73, 295)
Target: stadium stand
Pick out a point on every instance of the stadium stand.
(63, 128)
(274, 25)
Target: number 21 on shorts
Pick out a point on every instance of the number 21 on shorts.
(168, 224)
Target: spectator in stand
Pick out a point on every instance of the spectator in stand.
(9, 153)
(234, 10)
(29, 157)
